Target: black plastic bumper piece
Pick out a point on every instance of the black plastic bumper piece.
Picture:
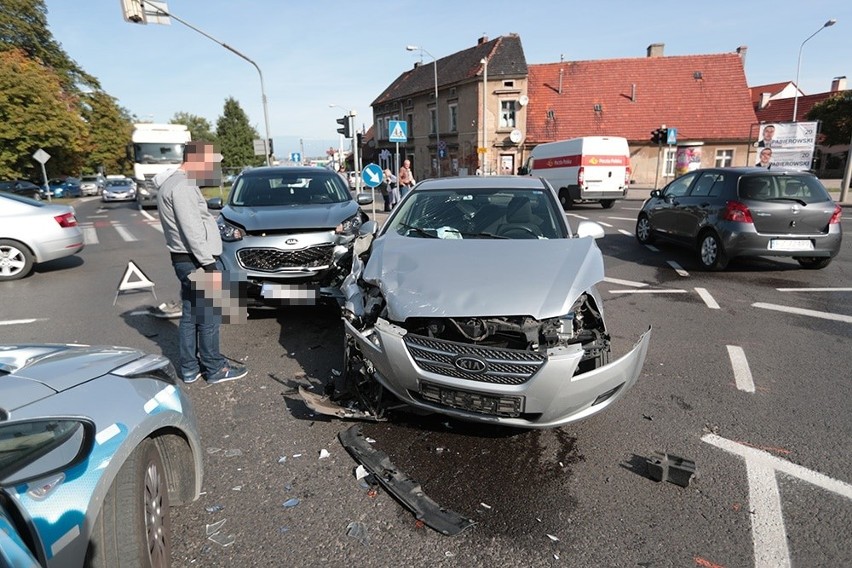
(403, 488)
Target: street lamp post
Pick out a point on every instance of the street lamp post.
(828, 24)
(484, 62)
(158, 9)
(437, 119)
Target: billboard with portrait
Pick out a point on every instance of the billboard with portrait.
(786, 145)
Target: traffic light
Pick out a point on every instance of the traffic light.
(269, 146)
(133, 11)
(346, 128)
(660, 135)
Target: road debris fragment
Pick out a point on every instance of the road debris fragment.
(675, 469)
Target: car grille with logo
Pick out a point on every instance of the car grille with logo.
(272, 259)
(473, 362)
(509, 406)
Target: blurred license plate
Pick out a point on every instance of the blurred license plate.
(290, 293)
(791, 245)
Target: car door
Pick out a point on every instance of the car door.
(698, 208)
(665, 211)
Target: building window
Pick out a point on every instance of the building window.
(669, 165)
(507, 114)
(454, 118)
(433, 120)
(410, 119)
(724, 158)
(383, 131)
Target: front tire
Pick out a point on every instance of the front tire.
(813, 262)
(16, 260)
(644, 230)
(711, 253)
(134, 527)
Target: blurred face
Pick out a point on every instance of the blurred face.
(204, 166)
(407, 163)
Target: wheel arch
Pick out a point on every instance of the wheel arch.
(179, 458)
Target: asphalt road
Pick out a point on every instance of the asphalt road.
(747, 375)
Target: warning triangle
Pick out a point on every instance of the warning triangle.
(134, 279)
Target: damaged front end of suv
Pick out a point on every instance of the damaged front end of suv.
(499, 330)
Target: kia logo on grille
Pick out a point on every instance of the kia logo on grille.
(470, 364)
(292, 241)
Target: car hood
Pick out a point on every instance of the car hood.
(31, 372)
(312, 216)
(482, 277)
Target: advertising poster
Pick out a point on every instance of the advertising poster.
(787, 145)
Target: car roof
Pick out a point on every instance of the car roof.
(481, 182)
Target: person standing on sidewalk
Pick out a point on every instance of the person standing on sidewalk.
(406, 179)
(193, 240)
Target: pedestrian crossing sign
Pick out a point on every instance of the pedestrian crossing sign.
(397, 131)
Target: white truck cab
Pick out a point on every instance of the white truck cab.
(591, 168)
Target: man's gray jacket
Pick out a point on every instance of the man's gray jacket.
(188, 226)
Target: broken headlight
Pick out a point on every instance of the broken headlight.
(228, 232)
(350, 226)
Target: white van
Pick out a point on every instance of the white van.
(591, 168)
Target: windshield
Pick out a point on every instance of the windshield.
(479, 214)
(802, 188)
(286, 188)
(118, 183)
(158, 153)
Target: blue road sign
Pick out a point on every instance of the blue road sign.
(372, 175)
(397, 131)
(671, 138)
(295, 157)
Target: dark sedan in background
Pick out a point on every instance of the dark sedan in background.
(22, 187)
(745, 212)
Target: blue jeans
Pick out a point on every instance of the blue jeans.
(198, 330)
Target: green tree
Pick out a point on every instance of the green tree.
(29, 119)
(835, 113)
(110, 127)
(199, 127)
(236, 137)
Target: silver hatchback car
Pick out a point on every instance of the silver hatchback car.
(288, 232)
(745, 212)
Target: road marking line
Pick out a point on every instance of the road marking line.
(21, 321)
(631, 209)
(602, 224)
(624, 282)
(97, 216)
(147, 215)
(575, 215)
(658, 291)
(742, 372)
(652, 248)
(125, 234)
(767, 525)
(708, 299)
(678, 268)
(90, 235)
(621, 218)
(156, 225)
(814, 289)
(804, 312)
(623, 232)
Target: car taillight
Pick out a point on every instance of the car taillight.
(581, 176)
(737, 212)
(66, 220)
(835, 217)
(627, 176)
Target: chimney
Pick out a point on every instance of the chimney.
(483, 39)
(764, 100)
(741, 51)
(656, 49)
(838, 84)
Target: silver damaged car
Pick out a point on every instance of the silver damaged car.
(477, 300)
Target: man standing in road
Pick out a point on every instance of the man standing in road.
(193, 240)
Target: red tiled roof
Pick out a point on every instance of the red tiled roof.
(781, 110)
(771, 88)
(716, 106)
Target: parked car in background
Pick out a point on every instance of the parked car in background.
(724, 213)
(83, 483)
(64, 187)
(22, 187)
(477, 300)
(119, 189)
(32, 232)
(92, 184)
(290, 231)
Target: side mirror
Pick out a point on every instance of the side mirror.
(215, 203)
(523, 171)
(656, 193)
(34, 449)
(364, 198)
(368, 228)
(589, 229)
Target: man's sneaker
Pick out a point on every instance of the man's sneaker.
(166, 310)
(192, 379)
(227, 373)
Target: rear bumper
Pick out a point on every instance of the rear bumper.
(738, 242)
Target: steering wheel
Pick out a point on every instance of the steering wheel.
(519, 230)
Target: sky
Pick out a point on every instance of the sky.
(316, 54)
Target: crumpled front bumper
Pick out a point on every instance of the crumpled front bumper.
(553, 396)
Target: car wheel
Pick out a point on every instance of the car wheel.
(565, 199)
(607, 203)
(134, 526)
(813, 262)
(16, 260)
(644, 230)
(710, 252)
